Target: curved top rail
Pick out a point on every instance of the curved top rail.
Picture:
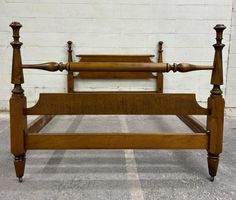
(115, 55)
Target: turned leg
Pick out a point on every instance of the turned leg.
(215, 132)
(18, 124)
(19, 162)
(213, 161)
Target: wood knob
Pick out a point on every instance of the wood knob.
(219, 28)
(69, 45)
(16, 34)
(160, 50)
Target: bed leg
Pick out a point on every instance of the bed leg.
(215, 123)
(213, 161)
(18, 127)
(19, 163)
(18, 124)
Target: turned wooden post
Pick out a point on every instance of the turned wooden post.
(160, 77)
(70, 76)
(215, 119)
(18, 120)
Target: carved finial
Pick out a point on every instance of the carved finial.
(219, 33)
(217, 73)
(160, 50)
(17, 72)
(69, 51)
(16, 32)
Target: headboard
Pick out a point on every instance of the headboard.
(71, 77)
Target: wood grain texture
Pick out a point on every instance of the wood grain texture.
(114, 58)
(114, 75)
(117, 103)
(116, 141)
(215, 123)
(18, 124)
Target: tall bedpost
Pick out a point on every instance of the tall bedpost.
(70, 77)
(18, 119)
(160, 75)
(215, 118)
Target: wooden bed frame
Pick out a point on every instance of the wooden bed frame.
(26, 136)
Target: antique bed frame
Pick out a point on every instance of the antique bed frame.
(26, 137)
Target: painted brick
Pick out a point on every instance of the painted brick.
(118, 27)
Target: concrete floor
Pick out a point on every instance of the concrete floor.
(120, 174)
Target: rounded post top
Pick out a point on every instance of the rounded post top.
(69, 46)
(15, 25)
(160, 43)
(16, 34)
(220, 27)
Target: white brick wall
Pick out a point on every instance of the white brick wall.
(112, 26)
(231, 74)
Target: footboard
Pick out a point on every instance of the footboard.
(130, 103)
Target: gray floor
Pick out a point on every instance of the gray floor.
(120, 174)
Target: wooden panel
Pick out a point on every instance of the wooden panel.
(37, 124)
(117, 141)
(114, 75)
(115, 58)
(116, 103)
(193, 123)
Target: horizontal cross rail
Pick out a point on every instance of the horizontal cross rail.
(117, 67)
(117, 141)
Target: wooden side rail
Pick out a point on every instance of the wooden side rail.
(117, 141)
(195, 125)
(36, 125)
(117, 67)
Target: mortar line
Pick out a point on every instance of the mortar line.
(229, 49)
